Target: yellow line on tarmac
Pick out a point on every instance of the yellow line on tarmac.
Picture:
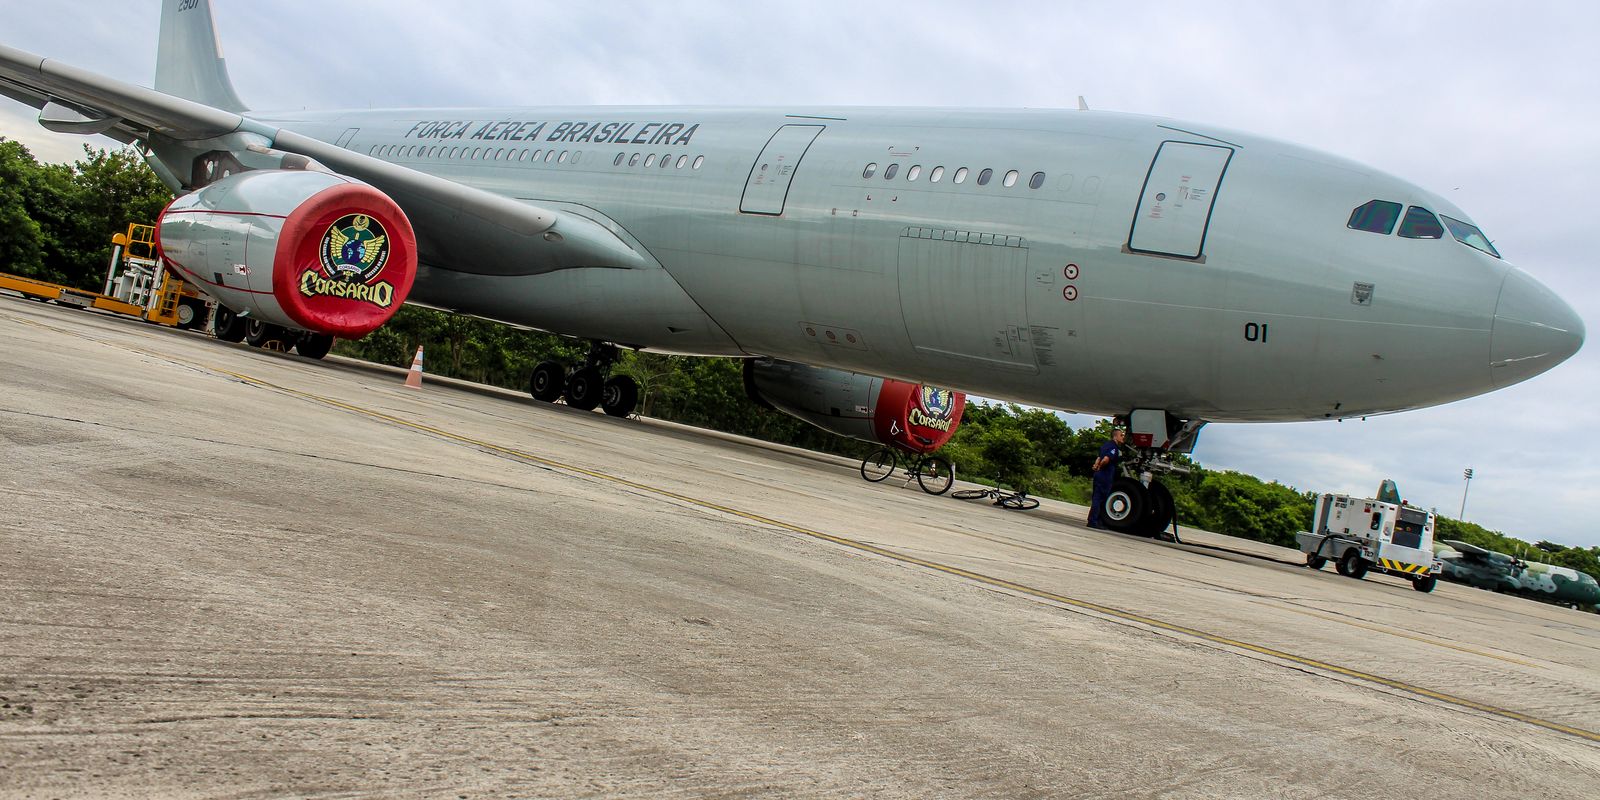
(1400, 633)
(976, 577)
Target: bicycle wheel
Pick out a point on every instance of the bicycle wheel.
(1018, 502)
(935, 475)
(971, 494)
(879, 465)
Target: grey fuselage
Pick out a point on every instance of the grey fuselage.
(780, 244)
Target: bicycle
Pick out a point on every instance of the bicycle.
(1016, 501)
(933, 473)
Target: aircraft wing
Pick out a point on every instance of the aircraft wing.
(1469, 549)
(458, 227)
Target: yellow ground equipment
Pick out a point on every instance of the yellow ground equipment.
(136, 285)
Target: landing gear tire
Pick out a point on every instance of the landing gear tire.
(265, 334)
(314, 345)
(547, 381)
(226, 325)
(1125, 506)
(1352, 565)
(191, 314)
(584, 388)
(1158, 510)
(1315, 561)
(935, 475)
(1425, 583)
(619, 395)
(878, 466)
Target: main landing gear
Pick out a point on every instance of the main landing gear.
(1138, 503)
(587, 386)
(230, 327)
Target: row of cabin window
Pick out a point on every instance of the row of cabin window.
(1380, 216)
(650, 160)
(937, 174)
(479, 153)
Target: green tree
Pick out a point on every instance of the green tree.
(1013, 459)
(23, 241)
(57, 220)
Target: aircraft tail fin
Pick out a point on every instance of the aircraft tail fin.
(1389, 491)
(189, 60)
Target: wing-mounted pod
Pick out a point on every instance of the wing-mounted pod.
(909, 416)
(308, 250)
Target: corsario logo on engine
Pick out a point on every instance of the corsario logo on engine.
(352, 255)
(934, 408)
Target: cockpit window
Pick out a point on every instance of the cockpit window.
(1469, 235)
(1420, 223)
(1377, 216)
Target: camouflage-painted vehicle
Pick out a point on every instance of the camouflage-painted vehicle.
(1475, 566)
(1487, 569)
(1562, 584)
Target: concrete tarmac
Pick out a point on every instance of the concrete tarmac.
(235, 573)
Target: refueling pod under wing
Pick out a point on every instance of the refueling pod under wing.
(909, 416)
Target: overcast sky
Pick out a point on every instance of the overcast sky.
(1493, 105)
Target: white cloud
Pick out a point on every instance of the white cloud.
(1490, 105)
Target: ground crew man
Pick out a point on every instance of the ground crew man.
(1105, 471)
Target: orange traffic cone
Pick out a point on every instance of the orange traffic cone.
(414, 377)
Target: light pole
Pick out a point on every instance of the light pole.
(1466, 474)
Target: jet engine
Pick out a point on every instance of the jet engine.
(908, 416)
(302, 249)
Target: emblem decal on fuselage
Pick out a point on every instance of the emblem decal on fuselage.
(352, 254)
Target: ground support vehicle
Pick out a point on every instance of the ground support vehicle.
(136, 286)
(1361, 534)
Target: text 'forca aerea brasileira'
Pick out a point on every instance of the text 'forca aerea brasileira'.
(668, 133)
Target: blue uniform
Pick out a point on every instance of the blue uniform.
(1112, 453)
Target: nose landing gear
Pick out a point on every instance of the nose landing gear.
(1141, 505)
(587, 387)
(1137, 508)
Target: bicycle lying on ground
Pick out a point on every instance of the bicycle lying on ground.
(1016, 501)
(933, 473)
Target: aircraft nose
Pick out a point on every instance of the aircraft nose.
(1534, 330)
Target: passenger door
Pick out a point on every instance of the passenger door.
(1175, 207)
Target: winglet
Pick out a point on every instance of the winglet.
(189, 60)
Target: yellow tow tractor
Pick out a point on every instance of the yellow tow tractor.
(136, 285)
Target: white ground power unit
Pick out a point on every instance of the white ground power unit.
(1361, 534)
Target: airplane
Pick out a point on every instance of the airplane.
(1562, 584)
(1488, 569)
(1170, 273)
(1480, 567)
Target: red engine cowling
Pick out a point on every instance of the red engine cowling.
(909, 416)
(306, 250)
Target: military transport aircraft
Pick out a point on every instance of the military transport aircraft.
(1172, 272)
(1487, 569)
(1476, 566)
